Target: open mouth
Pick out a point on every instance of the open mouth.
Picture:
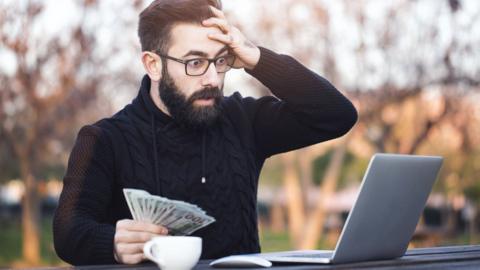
(204, 101)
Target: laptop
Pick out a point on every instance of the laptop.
(382, 221)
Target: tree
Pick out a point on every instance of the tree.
(385, 69)
(51, 84)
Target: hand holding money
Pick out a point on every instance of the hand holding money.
(153, 216)
(130, 236)
(178, 217)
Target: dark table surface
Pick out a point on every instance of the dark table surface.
(454, 257)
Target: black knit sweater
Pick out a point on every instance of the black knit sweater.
(141, 147)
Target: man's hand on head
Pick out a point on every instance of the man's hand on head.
(130, 236)
(246, 52)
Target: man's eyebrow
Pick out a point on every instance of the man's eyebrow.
(221, 51)
(204, 54)
(195, 53)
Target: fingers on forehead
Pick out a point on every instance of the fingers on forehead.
(220, 23)
(217, 12)
(222, 38)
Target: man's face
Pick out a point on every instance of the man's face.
(192, 100)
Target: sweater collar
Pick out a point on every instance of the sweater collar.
(145, 109)
(144, 106)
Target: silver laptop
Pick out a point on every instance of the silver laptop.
(382, 221)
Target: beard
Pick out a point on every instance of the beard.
(183, 110)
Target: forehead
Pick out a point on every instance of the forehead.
(187, 37)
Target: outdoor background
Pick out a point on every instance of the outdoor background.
(412, 68)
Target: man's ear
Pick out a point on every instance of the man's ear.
(153, 65)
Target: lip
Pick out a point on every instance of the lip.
(204, 102)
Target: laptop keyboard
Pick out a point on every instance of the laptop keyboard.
(310, 255)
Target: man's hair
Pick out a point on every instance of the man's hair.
(157, 20)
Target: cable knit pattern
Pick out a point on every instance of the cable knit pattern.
(118, 152)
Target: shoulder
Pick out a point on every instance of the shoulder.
(98, 129)
(104, 131)
(92, 136)
(107, 127)
(238, 106)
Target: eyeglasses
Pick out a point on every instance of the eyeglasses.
(199, 66)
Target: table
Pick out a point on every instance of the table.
(453, 257)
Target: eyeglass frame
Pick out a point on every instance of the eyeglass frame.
(210, 61)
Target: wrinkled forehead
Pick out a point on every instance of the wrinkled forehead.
(192, 40)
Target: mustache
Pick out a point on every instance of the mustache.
(206, 93)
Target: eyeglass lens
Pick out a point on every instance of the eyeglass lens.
(200, 65)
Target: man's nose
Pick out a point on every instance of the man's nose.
(211, 78)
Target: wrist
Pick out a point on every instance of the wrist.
(255, 59)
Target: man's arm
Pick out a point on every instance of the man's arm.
(309, 109)
(83, 233)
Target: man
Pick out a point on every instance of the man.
(181, 139)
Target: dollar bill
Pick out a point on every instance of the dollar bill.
(179, 217)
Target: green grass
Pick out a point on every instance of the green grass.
(271, 242)
(462, 239)
(11, 243)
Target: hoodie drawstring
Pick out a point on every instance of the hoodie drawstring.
(155, 156)
(204, 180)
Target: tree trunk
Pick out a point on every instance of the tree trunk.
(291, 181)
(314, 227)
(305, 162)
(277, 223)
(30, 215)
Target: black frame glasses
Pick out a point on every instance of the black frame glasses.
(191, 70)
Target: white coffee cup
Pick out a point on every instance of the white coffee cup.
(174, 252)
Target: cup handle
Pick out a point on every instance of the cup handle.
(147, 250)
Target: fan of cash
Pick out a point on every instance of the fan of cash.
(180, 218)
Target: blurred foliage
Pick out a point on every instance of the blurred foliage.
(274, 241)
(390, 65)
(8, 166)
(272, 172)
(10, 243)
(351, 172)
